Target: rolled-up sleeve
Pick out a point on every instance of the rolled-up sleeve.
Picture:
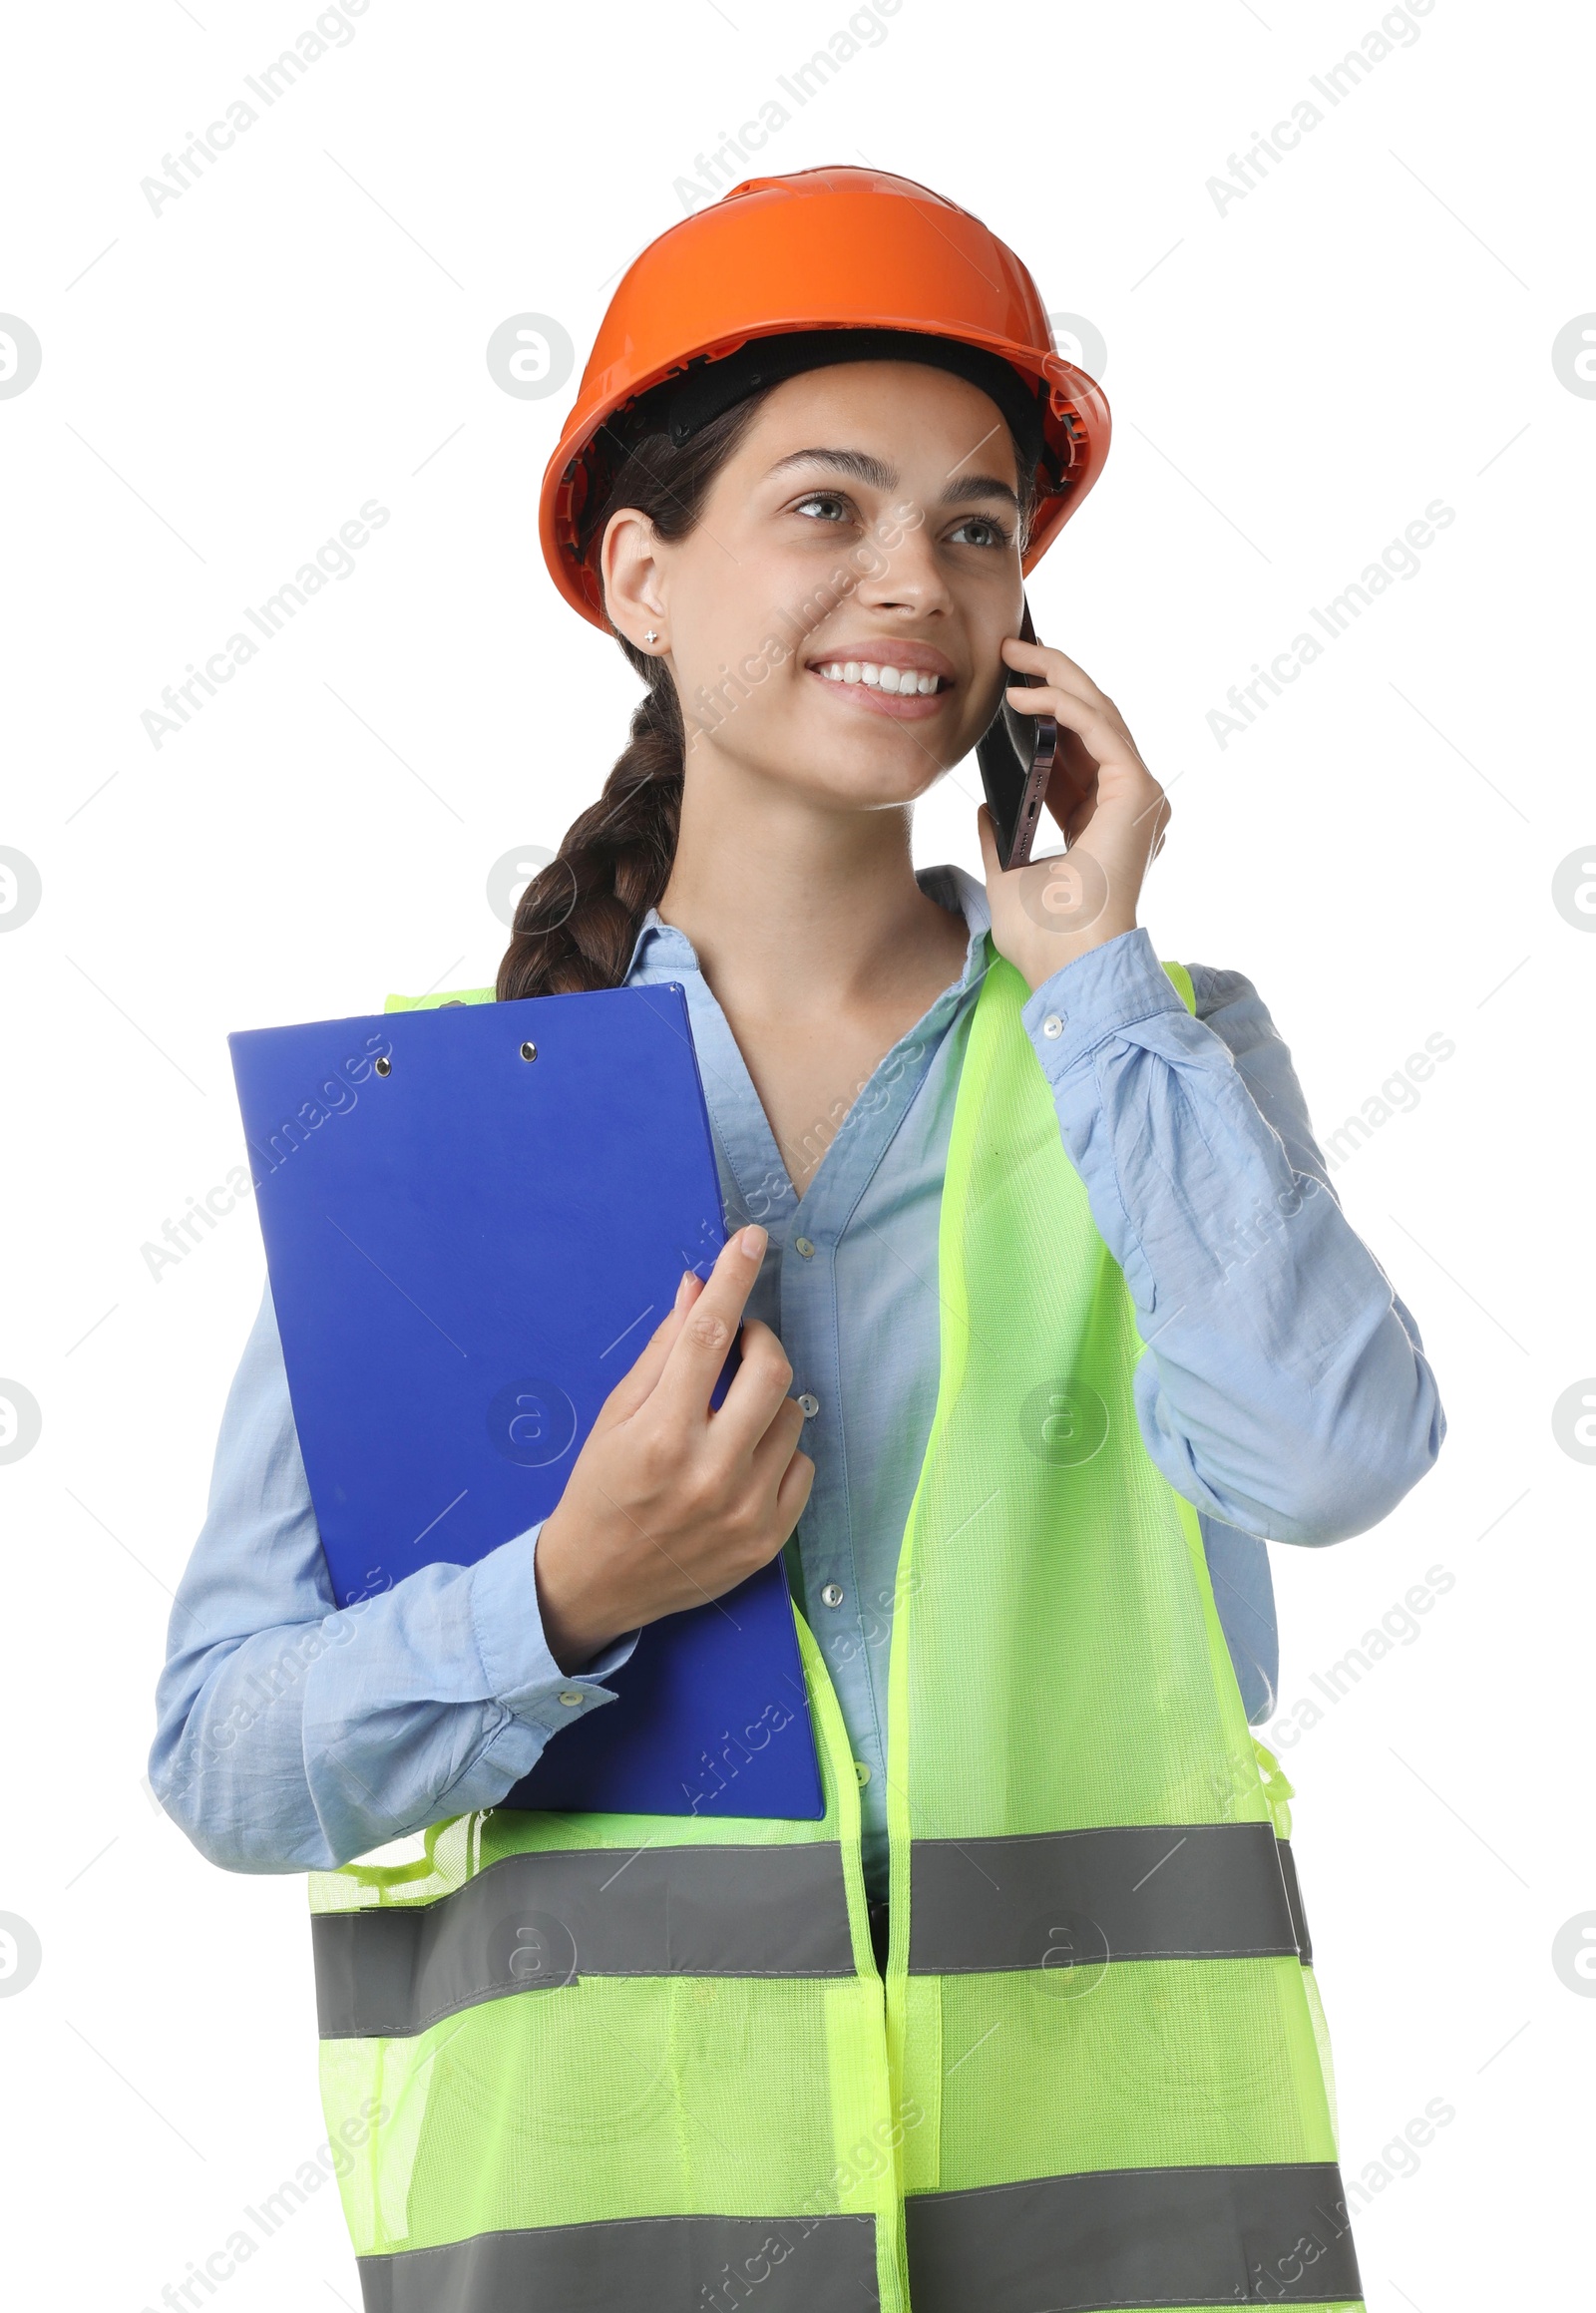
(1284, 1390)
(295, 1735)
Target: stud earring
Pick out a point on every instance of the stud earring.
(652, 634)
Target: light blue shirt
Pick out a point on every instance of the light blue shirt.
(1284, 1391)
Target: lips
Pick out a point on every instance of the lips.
(878, 651)
(906, 680)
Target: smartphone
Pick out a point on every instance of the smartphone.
(1015, 753)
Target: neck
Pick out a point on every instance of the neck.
(791, 904)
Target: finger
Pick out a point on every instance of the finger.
(758, 1390)
(1037, 695)
(1072, 782)
(1071, 793)
(710, 1326)
(792, 1495)
(1047, 658)
(1090, 742)
(1093, 740)
(775, 1449)
(1081, 715)
(638, 1381)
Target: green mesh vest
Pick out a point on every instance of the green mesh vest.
(587, 2064)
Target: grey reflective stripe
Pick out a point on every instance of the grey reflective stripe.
(536, 1922)
(1079, 1899)
(1294, 1896)
(1135, 2236)
(670, 2264)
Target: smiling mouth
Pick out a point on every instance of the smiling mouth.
(894, 681)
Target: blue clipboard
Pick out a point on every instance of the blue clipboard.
(472, 1224)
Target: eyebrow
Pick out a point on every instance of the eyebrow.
(866, 468)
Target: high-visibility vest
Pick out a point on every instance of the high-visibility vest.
(609, 2062)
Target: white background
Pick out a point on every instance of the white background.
(1293, 381)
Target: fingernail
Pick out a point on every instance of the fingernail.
(754, 1241)
(685, 1281)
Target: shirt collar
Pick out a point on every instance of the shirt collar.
(661, 948)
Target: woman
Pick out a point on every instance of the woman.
(1027, 2019)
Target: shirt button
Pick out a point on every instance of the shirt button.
(809, 1405)
(861, 1771)
(832, 1595)
(805, 1248)
(572, 1697)
(1053, 1024)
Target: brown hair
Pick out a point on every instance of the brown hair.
(577, 922)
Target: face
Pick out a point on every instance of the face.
(867, 525)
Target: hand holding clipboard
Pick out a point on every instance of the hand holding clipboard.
(673, 1499)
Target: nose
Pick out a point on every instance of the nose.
(904, 572)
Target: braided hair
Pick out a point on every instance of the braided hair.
(577, 922)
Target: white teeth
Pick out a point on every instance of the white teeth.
(904, 680)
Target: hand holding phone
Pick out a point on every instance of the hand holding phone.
(1077, 757)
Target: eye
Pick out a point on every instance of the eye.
(998, 533)
(821, 497)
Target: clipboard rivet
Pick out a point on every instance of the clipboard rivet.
(529, 1051)
(384, 1067)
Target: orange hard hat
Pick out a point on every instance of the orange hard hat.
(851, 249)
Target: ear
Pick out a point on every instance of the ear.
(634, 578)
